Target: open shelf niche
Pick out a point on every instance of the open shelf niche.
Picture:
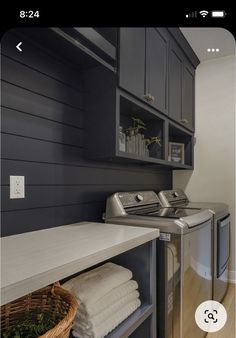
(180, 138)
(142, 262)
(146, 143)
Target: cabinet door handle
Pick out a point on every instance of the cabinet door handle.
(149, 97)
(185, 121)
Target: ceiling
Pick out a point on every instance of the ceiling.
(202, 39)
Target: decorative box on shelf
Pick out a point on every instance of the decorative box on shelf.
(136, 144)
(176, 152)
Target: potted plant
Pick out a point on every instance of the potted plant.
(138, 125)
(155, 147)
(135, 139)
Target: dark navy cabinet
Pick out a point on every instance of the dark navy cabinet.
(175, 82)
(132, 60)
(181, 87)
(188, 96)
(156, 68)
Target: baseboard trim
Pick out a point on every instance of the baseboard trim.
(232, 276)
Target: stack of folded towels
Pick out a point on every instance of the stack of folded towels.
(106, 295)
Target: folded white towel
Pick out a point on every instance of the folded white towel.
(108, 299)
(92, 321)
(100, 331)
(94, 284)
(84, 327)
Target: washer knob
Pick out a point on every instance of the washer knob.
(139, 198)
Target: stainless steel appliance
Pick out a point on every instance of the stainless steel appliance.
(220, 235)
(184, 254)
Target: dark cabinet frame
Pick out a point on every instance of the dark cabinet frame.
(104, 111)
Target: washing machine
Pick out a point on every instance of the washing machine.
(220, 236)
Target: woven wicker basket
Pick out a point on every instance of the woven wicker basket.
(53, 299)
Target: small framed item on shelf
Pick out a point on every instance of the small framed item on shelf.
(176, 152)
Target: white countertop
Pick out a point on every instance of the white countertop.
(33, 260)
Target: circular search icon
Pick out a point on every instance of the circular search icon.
(210, 316)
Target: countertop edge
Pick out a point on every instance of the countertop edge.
(25, 286)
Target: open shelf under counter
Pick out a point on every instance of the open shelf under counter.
(129, 325)
(36, 259)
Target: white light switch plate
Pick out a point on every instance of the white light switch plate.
(17, 187)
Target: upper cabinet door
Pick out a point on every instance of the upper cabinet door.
(156, 69)
(132, 60)
(188, 97)
(175, 83)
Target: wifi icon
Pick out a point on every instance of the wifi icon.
(203, 13)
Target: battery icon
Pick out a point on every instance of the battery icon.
(218, 14)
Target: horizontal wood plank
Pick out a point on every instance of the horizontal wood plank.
(15, 122)
(95, 173)
(22, 76)
(21, 99)
(23, 148)
(20, 221)
(40, 196)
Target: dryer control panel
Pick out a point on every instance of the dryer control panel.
(171, 198)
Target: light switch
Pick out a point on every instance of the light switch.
(17, 187)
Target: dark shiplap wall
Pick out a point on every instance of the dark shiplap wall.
(43, 139)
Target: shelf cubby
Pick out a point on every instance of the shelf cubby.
(132, 325)
(154, 126)
(141, 261)
(177, 134)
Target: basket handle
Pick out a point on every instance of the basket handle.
(53, 287)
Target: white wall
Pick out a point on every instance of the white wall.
(213, 179)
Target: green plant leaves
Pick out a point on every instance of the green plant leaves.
(154, 139)
(138, 125)
(35, 324)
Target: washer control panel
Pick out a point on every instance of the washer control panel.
(136, 198)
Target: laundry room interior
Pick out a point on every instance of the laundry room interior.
(118, 182)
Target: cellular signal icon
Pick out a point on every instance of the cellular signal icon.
(191, 15)
(203, 13)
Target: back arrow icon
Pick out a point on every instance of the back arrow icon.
(18, 46)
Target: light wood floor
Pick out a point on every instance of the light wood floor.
(228, 331)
